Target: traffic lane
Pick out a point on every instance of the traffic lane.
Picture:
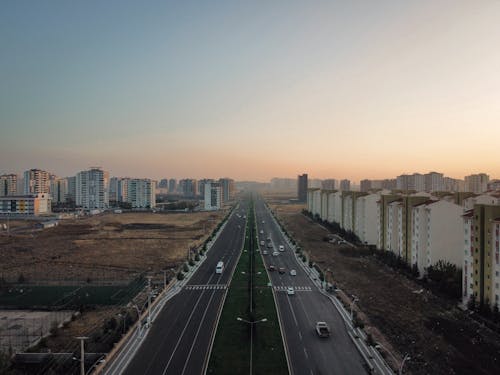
(225, 248)
(193, 346)
(169, 323)
(298, 353)
(339, 353)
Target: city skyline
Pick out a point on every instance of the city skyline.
(251, 90)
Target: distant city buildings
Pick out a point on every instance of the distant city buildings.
(36, 181)
(227, 186)
(345, 185)
(302, 187)
(188, 187)
(59, 190)
(477, 183)
(92, 189)
(213, 195)
(141, 193)
(8, 184)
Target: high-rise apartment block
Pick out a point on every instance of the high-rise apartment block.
(188, 187)
(213, 195)
(345, 185)
(477, 183)
(32, 205)
(302, 187)
(92, 189)
(227, 186)
(141, 193)
(58, 190)
(36, 181)
(172, 185)
(8, 184)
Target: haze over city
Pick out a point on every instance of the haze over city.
(251, 90)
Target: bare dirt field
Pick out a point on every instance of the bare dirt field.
(439, 337)
(105, 248)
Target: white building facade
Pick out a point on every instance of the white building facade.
(213, 196)
(92, 189)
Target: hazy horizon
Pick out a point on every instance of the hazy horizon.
(251, 90)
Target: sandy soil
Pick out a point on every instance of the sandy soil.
(105, 248)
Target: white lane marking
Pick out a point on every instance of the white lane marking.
(300, 335)
(305, 352)
(293, 312)
(202, 320)
(184, 330)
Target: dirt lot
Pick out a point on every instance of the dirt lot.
(104, 248)
(439, 337)
(100, 250)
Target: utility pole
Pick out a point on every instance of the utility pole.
(149, 302)
(82, 353)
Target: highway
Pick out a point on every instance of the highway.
(180, 338)
(307, 352)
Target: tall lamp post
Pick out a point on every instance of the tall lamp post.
(355, 299)
(251, 335)
(405, 359)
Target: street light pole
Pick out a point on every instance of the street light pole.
(406, 358)
(251, 337)
(149, 302)
(82, 353)
(356, 299)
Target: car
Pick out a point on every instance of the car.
(261, 231)
(281, 270)
(263, 221)
(290, 291)
(264, 252)
(275, 254)
(271, 268)
(281, 248)
(322, 329)
(293, 273)
(262, 243)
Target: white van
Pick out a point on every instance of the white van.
(220, 267)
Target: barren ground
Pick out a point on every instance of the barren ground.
(439, 337)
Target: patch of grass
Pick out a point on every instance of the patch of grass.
(231, 350)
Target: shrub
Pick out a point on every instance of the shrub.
(196, 257)
(180, 276)
(185, 267)
(191, 262)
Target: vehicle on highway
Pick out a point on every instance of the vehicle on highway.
(271, 268)
(281, 248)
(262, 243)
(322, 329)
(275, 254)
(261, 231)
(265, 252)
(269, 245)
(220, 267)
(293, 273)
(290, 291)
(263, 221)
(282, 270)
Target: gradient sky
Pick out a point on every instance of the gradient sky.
(251, 89)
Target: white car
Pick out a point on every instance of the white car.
(276, 254)
(290, 291)
(282, 248)
(293, 273)
(265, 252)
(261, 231)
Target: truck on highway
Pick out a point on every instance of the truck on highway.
(322, 329)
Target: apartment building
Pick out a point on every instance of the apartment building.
(8, 184)
(92, 189)
(36, 181)
(302, 186)
(31, 205)
(227, 186)
(367, 217)
(188, 187)
(383, 214)
(141, 193)
(434, 181)
(436, 234)
(477, 183)
(345, 185)
(213, 196)
(58, 190)
(480, 268)
(487, 199)
(349, 200)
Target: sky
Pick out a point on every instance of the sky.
(251, 89)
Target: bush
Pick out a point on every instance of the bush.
(185, 267)
(310, 264)
(191, 262)
(197, 258)
(180, 276)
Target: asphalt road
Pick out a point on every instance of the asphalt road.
(179, 340)
(307, 352)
